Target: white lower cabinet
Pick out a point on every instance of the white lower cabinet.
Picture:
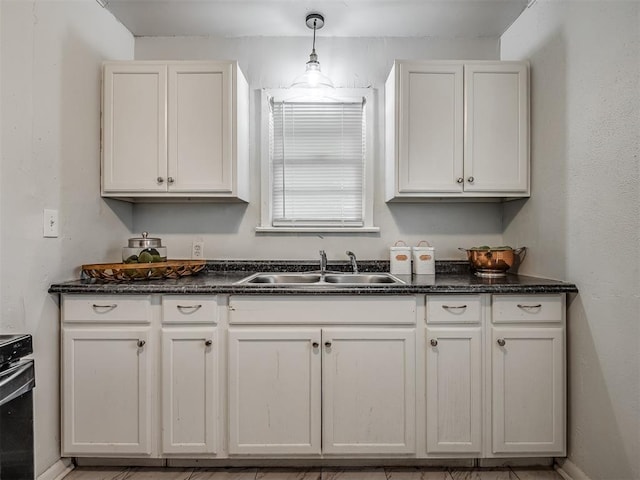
(179, 376)
(528, 375)
(495, 376)
(454, 375)
(189, 389)
(528, 390)
(368, 391)
(454, 390)
(355, 385)
(274, 391)
(189, 375)
(106, 378)
(334, 390)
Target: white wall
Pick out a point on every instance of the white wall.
(51, 54)
(228, 230)
(583, 219)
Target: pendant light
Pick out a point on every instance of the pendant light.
(313, 76)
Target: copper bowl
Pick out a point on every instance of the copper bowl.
(493, 262)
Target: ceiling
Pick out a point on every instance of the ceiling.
(344, 18)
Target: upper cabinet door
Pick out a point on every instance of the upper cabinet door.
(456, 130)
(175, 130)
(134, 128)
(496, 150)
(430, 128)
(200, 127)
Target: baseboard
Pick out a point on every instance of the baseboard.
(58, 470)
(569, 470)
(119, 462)
(318, 463)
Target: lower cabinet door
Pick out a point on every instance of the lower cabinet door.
(274, 391)
(106, 391)
(528, 394)
(189, 390)
(454, 390)
(368, 391)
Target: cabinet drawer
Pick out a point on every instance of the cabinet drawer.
(106, 308)
(454, 309)
(527, 308)
(189, 309)
(297, 309)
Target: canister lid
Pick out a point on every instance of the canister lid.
(145, 241)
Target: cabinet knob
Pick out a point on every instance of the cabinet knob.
(470, 179)
(141, 343)
(160, 180)
(170, 180)
(434, 342)
(315, 344)
(327, 344)
(501, 342)
(208, 343)
(460, 180)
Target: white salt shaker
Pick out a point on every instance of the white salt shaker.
(400, 259)
(424, 261)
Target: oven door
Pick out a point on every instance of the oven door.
(16, 421)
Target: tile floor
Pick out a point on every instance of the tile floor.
(143, 473)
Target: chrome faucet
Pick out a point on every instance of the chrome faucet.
(323, 262)
(352, 258)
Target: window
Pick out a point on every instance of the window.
(316, 167)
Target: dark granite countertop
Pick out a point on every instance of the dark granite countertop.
(220, 277)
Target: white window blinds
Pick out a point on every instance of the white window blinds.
(317, 163)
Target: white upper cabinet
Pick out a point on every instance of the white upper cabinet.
(457, 130)
(134, 137)
(175, 130)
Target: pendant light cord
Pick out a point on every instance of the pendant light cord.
(313, 49)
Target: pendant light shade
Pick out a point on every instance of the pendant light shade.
(313, 76)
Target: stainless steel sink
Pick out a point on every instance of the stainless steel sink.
(317, 279)
(283, 278)
(360, 278)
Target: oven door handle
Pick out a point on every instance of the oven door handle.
(19, 381)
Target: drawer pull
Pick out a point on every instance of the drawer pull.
(208, 343)
(454, 307)
(188, 308)
(141, 343)
(327, 344)
(315, 344)
(501, 342)
(434, 342)
(529, 307)
(104, 307)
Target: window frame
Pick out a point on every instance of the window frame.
(337, 94)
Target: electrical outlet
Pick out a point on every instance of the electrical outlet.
(197, 249)
(50, 223)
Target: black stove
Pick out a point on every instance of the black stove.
(14, 347)
(17, 380)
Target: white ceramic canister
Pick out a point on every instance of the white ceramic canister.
(424, 259)
(400, 259)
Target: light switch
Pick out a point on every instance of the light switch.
(50, 223)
